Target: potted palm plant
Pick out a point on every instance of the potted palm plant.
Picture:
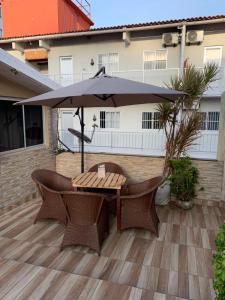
(183, 180)
(180, 119)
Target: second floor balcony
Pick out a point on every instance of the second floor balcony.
(155, 77)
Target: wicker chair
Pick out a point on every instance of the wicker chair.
(50, 184)
(88, 222)
(109, 167)
(137, 204)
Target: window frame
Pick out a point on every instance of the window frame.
(143, 59)
(151, 121)
(24, 133)
(213, 47)
(208, 122)
(213, 123)
(108, 53)
(111, 112)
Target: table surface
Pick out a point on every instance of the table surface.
(91, 180)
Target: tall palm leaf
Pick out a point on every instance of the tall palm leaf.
(180, 120)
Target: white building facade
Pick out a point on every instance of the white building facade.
(150, 53)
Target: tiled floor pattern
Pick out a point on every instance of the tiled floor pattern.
(133, 265)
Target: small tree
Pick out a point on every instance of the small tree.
(183, 179)
(180, 119)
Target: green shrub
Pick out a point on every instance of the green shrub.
(183, 179)
(219, 265)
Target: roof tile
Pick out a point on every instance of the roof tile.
(162, 22)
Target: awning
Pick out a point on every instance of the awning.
(14, 99)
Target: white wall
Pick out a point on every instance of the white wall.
(195, 53)
(131, 116)
(130, 58)
(210, 105)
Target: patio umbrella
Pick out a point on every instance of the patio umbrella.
(102, 91)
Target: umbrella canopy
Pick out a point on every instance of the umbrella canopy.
(104, 91)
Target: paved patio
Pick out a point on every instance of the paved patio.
(133, 265)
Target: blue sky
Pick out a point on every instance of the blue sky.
(115, 12)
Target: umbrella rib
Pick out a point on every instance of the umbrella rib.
(104, 98)
(162, 97)
(113, 101)
(60, 102)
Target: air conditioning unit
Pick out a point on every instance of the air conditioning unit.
(194, 37)
(170, 39)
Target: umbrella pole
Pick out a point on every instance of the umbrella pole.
(82, 139)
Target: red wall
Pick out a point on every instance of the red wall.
(71, 19)
(28, 17)
(33, 17)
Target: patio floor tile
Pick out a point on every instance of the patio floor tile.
(133, 264)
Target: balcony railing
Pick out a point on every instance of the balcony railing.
(141, 143)
(84, 5)
(155, 77)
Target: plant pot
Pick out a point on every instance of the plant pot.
(185, 204)
(163, 194)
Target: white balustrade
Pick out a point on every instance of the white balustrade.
(155, 77)
(141, 143)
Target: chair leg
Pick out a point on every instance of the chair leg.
(37, 218)
(155, 227)
(118, 209)
(157, 230)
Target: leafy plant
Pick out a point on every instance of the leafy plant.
(180, 119)
(183, 179)
(219, 265)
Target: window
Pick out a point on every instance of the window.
(11, 126)
(210, 120)
(109, 119)
(213, 120)
(20, 126)
(155, 60)
(150, 120)
(213, 55)
(66, 70)
(146, 120)
(110, 61)
(33, 125)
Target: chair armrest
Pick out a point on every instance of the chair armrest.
(144, 187)
(136, 188)
(66, 183)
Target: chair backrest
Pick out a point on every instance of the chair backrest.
(145, 186)
(109, 167)
(52, 180)
(145, 193)
(82, 207)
